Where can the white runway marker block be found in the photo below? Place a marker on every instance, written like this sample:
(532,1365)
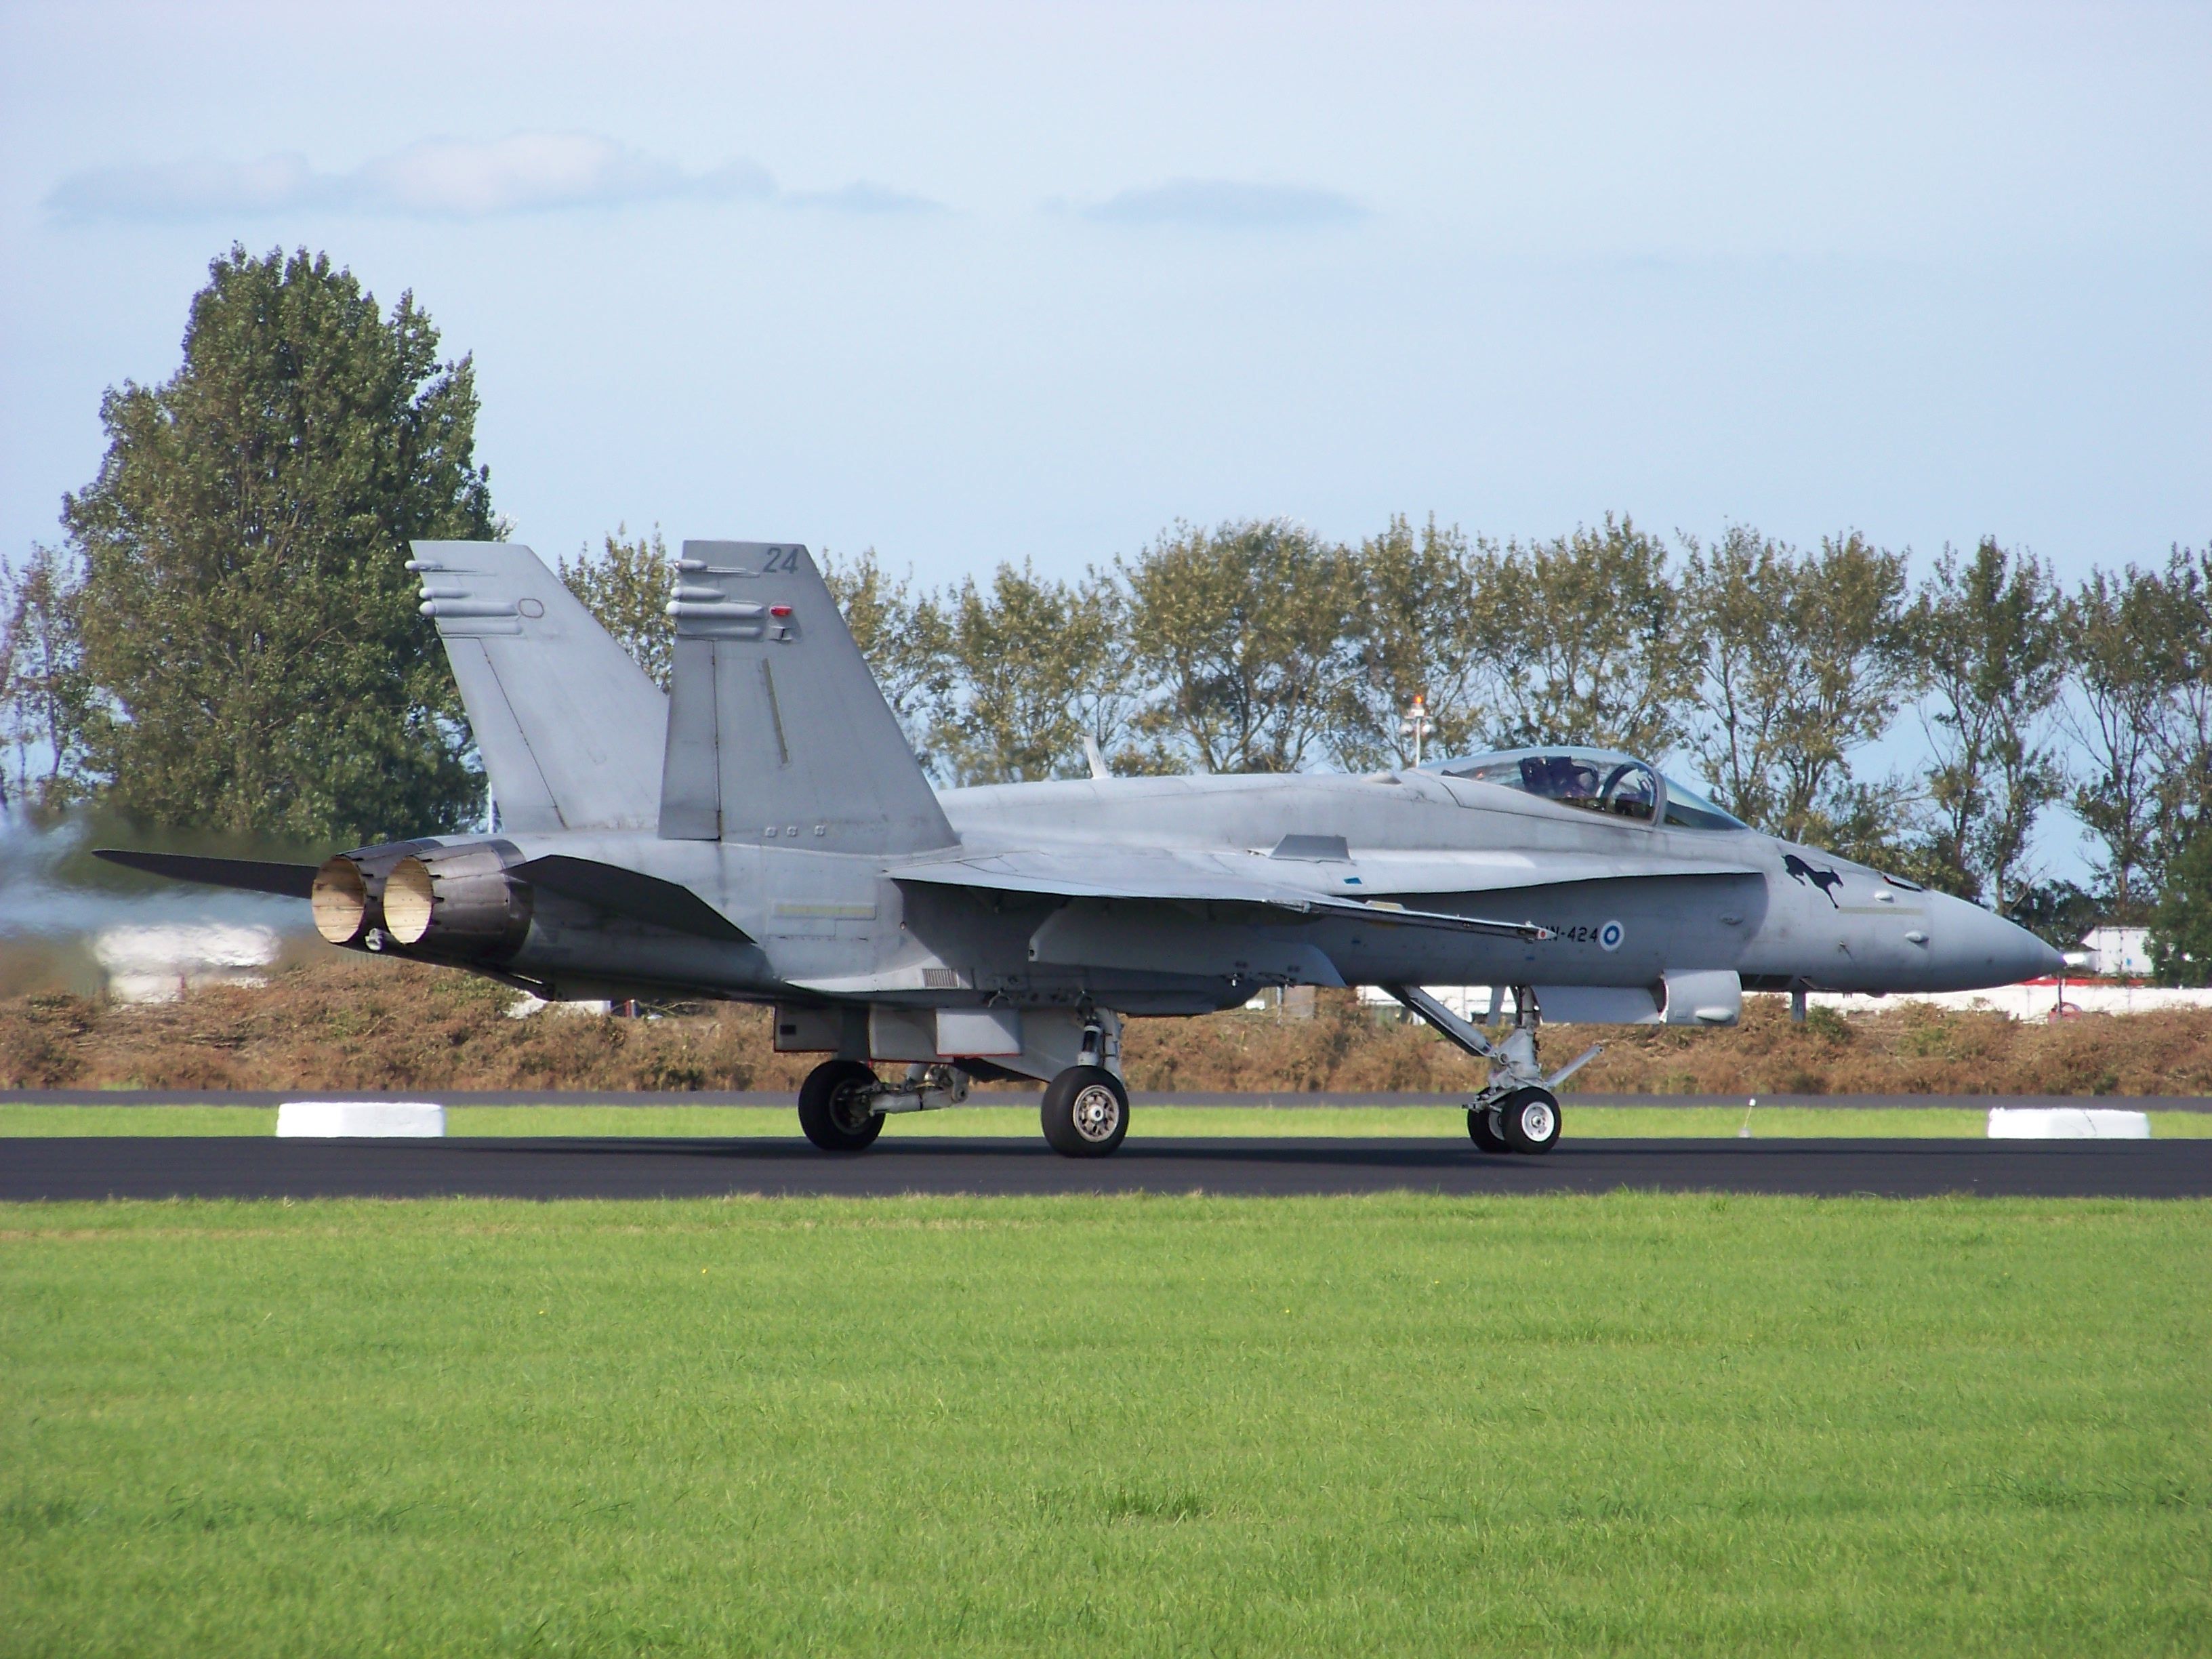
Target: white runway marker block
(326,1119)
(2067,1123)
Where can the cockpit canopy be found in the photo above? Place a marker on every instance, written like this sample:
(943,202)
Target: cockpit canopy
(1595,780)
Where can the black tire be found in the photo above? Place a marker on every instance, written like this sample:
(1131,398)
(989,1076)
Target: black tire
(1086,1112)
(829,1110)
(1530,1119)
(1482,1129)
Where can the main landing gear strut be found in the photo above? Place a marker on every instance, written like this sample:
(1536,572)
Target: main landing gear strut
(842,1104)
(1518,1109)
(1085,1113)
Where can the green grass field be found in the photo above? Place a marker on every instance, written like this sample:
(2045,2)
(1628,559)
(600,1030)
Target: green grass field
(1628,1423)
(1580,1122)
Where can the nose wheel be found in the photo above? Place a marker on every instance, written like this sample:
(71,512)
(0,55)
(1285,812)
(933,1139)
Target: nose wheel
(1524,1120)
(1482,1129)
(1529,1119)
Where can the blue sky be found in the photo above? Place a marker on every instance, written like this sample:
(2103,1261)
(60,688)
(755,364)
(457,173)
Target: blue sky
(970,284)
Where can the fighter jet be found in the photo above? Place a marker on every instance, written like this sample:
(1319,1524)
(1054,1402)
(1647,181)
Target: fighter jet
(764,833)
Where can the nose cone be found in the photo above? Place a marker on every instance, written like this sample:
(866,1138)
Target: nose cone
(1969,949)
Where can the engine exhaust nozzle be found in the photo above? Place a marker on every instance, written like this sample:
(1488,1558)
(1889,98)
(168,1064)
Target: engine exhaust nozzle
(457,902)
(347,895)
(344,911)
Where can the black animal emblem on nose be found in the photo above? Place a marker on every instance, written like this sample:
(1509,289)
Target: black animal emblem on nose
(1826,880)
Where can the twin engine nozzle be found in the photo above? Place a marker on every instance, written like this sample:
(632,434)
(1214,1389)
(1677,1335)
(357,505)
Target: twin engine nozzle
(451,901)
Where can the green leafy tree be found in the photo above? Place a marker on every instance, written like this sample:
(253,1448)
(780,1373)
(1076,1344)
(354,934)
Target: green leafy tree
(1419,630)
(1882,823)
(627,587)
(1037,664)
(1595,648)
(1244,634)
(1987,633)
(2181,644)
(903,635)
(2059,912)
(2121,634)
(250,641)
(42,691)
(2180,938)
(1801,660)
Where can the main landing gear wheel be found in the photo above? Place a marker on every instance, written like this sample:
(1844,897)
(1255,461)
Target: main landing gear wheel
(1529,1118)
(833,1106)
(1086,1112)
(1482,1129)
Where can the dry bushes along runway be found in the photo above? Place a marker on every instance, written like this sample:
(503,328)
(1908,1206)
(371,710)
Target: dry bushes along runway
(337,1022)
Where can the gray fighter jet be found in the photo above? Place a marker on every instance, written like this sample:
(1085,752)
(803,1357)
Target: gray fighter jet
(764,833)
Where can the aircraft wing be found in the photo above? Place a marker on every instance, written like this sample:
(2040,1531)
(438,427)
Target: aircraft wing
(1186,878)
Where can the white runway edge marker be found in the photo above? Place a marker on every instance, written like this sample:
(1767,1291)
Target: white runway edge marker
(329,1119)
(2067,1123)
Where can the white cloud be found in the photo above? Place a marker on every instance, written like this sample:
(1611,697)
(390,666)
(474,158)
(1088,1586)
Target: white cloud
(188,190)
(530,171)
(1227,204)
(444,179)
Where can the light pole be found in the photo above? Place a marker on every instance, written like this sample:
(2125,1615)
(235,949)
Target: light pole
(1417,723)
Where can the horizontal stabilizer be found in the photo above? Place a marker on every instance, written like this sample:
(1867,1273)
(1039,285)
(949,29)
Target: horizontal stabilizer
(630,894)
(247,875)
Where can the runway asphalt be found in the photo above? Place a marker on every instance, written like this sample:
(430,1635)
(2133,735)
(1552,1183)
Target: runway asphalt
(265,1167)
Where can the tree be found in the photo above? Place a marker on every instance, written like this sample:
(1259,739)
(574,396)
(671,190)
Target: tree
(1592,647)
(904,636)
(2181,736)
(42,691)
(1986,632)
(2119,635)
(1037,665)
(2180,938)
(1418,631)
(1883,824)
(252,651)
(2059,913)
(1244,632)
(627,587)
(1801,661)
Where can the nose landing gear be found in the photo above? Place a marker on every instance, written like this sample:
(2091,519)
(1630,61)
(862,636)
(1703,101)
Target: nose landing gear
(1529,1118)
(1525,1121)
(1518,1109)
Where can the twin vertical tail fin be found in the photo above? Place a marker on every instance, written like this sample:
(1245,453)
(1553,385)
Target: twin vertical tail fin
(568,726)
(777,732)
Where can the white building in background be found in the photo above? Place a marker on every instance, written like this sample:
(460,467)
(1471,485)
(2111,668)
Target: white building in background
(2114,953)
(160,963)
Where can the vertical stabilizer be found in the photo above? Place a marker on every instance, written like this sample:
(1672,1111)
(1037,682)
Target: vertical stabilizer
(569,726)
(776,729)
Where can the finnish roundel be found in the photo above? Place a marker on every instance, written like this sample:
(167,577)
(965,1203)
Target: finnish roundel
(1609,936)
